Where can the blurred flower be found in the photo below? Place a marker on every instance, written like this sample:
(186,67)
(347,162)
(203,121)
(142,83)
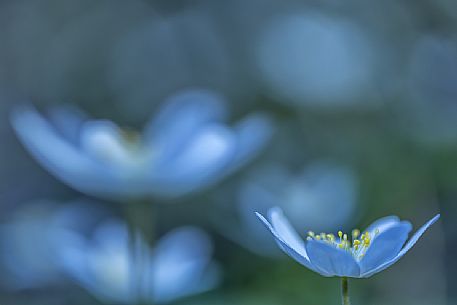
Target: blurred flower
(30,238)
(188,146)
(109,267)
(380,246)
(433,95)
(308,58)
(321,189)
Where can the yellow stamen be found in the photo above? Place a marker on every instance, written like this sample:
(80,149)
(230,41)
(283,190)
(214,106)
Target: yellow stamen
(355,233)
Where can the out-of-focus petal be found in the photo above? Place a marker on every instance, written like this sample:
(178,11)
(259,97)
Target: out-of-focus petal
(385,245)
(330,260)
(182,265)
(198,163)
(253,134)
(103,264)
(313,59)
(56,154)
(403,251)
(180,118)
(67,121)
(102,140)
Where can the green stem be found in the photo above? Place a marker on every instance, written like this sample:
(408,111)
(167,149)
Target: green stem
(141,223)
(345,291)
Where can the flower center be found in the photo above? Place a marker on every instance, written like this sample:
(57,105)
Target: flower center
(357,244)
(119,147)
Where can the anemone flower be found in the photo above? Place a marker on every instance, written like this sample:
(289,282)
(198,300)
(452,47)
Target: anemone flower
(108,267)
(358,255)
(186,147)
(30,239)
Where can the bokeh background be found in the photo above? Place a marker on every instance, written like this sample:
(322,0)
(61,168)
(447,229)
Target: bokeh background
(363,100)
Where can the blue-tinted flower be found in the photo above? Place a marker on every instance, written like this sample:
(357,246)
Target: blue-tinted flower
(320,189)
(30,239)
(360,255)
(114,270)
(186,147)
(309,58)
(429,113)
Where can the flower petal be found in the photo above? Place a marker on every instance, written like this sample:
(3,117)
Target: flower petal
(183,115)
(252,134)
(331,260)
(102,140)
(58,155)
(402,252)
(296,250)
(68,121)
(285,230)
(382,224)
(385,245)
(182,265)
(198,163)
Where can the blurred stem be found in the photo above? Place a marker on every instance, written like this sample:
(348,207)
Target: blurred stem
(141,219)
(345,291)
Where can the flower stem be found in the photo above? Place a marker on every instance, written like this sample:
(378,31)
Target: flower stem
(345,291)
(140,218)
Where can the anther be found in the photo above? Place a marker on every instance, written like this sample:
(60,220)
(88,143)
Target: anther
(355,233)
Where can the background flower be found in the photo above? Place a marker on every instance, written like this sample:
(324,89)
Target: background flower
(109,267)
(186,147)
